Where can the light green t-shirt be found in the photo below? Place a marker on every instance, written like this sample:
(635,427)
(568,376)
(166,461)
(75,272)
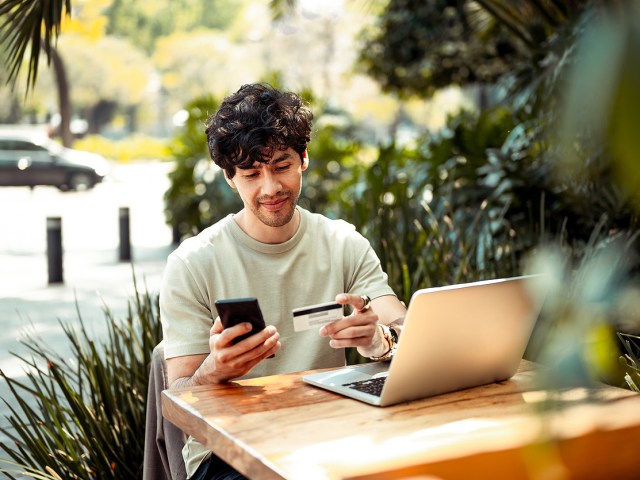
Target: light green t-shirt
(324,258)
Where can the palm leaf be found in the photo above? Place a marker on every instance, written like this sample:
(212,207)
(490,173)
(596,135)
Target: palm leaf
(280,8)
(29,24)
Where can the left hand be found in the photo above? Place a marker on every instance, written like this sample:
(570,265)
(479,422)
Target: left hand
(360,329)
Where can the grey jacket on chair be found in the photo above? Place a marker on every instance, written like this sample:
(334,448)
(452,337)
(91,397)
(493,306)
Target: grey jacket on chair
(163,441)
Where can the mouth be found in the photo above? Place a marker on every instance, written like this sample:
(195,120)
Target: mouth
(274,205)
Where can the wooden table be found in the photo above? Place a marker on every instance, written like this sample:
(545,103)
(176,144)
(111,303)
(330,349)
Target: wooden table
(278,427)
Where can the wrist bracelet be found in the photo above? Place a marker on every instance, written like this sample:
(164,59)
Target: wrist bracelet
(391,340)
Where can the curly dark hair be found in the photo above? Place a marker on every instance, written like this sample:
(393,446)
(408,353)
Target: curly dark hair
(254,122)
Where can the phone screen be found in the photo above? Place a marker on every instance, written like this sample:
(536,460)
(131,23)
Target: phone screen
(233,311)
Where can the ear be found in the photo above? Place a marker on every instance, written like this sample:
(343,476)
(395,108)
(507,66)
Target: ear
(229,180)
(305,160)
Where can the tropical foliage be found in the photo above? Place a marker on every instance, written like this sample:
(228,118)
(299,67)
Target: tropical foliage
(420,46)
(631,360)
(39,27)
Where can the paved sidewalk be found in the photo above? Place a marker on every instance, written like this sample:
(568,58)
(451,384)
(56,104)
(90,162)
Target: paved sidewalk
(92,279)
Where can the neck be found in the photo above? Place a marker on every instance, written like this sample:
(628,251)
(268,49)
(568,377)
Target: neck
(265,233)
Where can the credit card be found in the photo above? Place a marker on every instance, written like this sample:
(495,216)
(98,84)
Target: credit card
(314,316)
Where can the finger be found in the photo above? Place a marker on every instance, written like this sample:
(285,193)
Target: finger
(252,350)
(355,331)
(245,349)
(350,342)
(268,333)
(350,299)
(217,326)
(359,302)
(231,333)
(361,319)
(247,363)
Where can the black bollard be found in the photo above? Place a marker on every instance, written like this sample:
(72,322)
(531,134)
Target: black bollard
(125,240)
(175,235)
(54,249)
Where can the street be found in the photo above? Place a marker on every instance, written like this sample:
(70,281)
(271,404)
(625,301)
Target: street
(93,274)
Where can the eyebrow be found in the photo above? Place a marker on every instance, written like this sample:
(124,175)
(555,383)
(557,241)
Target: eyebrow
(282,158)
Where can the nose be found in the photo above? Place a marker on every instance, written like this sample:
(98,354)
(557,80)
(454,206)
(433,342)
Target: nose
(270,185)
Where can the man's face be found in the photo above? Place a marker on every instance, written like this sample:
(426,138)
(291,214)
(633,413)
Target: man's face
(270,190)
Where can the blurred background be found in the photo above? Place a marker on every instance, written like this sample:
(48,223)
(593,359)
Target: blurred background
(466,140)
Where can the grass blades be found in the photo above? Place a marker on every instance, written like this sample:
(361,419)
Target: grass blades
(631,360)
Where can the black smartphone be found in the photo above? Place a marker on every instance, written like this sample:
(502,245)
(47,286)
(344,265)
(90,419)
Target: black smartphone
(233,311)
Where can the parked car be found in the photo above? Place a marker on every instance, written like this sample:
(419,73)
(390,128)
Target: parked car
(32,161)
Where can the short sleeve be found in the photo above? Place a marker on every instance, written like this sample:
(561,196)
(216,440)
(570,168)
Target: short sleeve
(184,311)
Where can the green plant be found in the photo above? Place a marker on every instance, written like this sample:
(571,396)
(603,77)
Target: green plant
(333,150)
(198,195)
(631,360)
(442,212)
(131,148)
(82,418)
(587,299)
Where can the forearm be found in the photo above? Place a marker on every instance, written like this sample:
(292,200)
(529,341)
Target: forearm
(183,382)
(194,380)
(190,371)
(390,311)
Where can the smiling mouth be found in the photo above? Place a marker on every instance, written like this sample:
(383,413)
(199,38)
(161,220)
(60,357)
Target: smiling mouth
(274,204)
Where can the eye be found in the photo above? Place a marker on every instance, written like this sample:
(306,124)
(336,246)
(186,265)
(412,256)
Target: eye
(282,168)
(250,175)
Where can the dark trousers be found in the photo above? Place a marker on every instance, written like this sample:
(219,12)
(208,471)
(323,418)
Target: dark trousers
(213,468)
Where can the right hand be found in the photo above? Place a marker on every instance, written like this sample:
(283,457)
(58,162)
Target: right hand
(227,360)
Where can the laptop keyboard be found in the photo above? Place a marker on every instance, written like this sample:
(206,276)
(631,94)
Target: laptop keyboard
(372,386)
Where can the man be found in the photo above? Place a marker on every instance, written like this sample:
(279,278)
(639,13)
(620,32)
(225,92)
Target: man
(275,251)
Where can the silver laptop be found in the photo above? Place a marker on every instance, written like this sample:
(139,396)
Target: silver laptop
(454,337)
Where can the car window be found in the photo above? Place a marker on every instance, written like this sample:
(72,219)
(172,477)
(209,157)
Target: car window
(8,144)
(22,145)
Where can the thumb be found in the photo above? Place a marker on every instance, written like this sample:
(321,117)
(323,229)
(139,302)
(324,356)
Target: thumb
(217,327)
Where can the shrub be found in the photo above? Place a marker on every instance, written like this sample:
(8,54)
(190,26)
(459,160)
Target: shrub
(587,301)
(198,195)
(82,418)
(631,360)
(131,148)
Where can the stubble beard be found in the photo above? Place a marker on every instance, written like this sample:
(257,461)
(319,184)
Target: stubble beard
(279,218)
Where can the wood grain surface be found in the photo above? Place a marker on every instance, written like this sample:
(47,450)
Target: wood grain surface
(279,427)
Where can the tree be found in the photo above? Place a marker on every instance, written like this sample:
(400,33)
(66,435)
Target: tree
(419,46)
(30,25)
(109,75)
(35,26)
(190,64)
(145,21)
